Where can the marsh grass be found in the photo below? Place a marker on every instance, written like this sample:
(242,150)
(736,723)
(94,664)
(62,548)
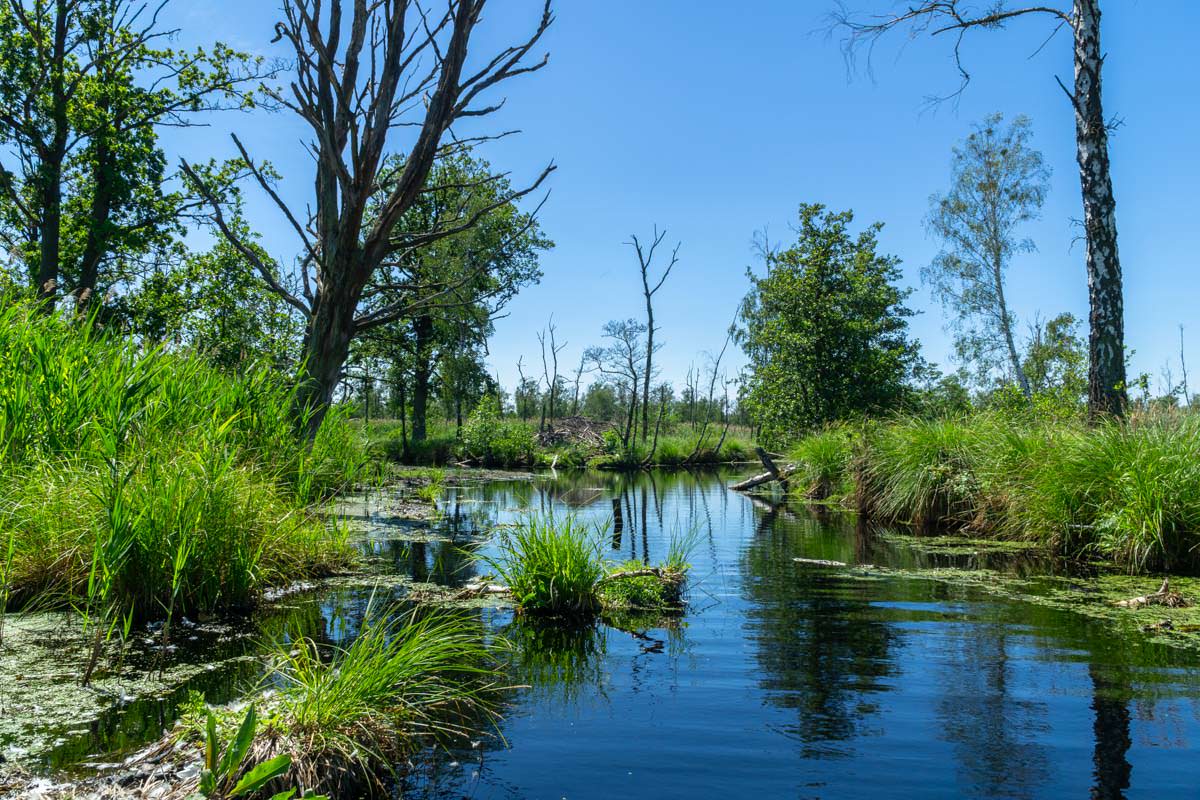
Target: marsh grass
(551,566)
(402,683)
(137,483)
(823,462)
(1127,491)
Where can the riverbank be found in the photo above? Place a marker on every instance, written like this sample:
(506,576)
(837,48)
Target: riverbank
(1123,492)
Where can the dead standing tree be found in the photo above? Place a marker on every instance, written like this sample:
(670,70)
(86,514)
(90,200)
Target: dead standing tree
(1106,342)
(550,369)
(645,257)
(390,65)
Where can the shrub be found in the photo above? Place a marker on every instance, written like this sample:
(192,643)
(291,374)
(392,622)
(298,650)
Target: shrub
(496,442)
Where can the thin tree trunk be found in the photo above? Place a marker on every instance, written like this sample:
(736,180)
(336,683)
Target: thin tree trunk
(1006,326)
(1106,342)
(649,364)
(51,168)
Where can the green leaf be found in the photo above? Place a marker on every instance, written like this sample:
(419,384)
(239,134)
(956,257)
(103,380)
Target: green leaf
(265,772)
(211,748)
(288,795)
(241,744)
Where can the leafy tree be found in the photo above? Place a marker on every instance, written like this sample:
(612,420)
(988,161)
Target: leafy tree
(452,288)
(999,182)
(84,86)
(826,329)
(1056,357)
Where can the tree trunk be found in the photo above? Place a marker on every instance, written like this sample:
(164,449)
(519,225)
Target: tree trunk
(50,235)
(1106,341)
(1006,326)
(326,346)
(422,370)
(649,364)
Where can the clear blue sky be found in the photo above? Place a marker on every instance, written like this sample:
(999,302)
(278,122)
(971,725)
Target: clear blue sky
(714,123)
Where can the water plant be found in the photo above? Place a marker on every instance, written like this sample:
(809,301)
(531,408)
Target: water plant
(551,565)
(403,681)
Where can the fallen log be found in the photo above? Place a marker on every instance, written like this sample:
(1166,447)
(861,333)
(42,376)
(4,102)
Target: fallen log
(819,562)
(757,480)
(773,473)
(1163,597)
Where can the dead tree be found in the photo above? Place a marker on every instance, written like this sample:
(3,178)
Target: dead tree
(1106,341)
(550,368)
(578,379)
(361,76)
(645,256)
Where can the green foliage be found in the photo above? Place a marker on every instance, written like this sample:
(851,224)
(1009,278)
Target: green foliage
(400,682)
(823,461)
(493,441)
(551,566)
(1125,491)
(825,329)
(140,481)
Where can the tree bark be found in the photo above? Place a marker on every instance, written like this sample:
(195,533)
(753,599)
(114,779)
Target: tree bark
(422,371)
(326,346)
(1006,327)
(50,234)
(1106,341)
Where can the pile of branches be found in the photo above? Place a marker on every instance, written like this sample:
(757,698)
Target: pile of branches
(574,430)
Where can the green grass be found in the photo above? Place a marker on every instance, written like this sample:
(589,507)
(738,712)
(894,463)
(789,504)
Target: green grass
(823,463)
(137,483)
(551,566)
(1128,491)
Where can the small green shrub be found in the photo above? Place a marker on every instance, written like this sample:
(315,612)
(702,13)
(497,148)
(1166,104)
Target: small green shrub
(496,442)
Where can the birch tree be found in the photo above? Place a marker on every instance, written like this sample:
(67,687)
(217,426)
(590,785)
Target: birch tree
(954,19)
(999,182)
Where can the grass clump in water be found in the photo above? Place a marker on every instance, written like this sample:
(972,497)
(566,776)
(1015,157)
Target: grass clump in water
(551,566)
(401,684)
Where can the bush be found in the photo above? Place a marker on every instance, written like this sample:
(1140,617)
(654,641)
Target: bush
(496,442)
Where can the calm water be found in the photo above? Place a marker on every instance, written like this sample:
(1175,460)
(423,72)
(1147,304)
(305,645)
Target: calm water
(781,680)
(784,680)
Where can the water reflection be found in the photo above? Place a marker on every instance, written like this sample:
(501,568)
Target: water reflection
(783,679)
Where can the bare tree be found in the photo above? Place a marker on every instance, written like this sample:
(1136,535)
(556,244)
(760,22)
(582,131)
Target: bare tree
(645,256)
(391,65)
(550,368)
(578,379)
(714,375)
(1106,341)
(999,183)
(622,361)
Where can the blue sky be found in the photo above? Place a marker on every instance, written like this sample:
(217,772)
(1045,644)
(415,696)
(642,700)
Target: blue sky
(714,123)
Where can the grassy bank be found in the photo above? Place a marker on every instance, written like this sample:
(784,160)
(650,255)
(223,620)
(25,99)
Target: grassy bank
(490,440)
(137,483)
(1128,492)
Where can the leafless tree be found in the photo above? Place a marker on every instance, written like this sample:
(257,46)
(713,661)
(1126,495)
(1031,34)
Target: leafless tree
(1106,342)
(361,76)
(1187,394)
(645,256)
(550,367)
(578,380)
(714,375)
